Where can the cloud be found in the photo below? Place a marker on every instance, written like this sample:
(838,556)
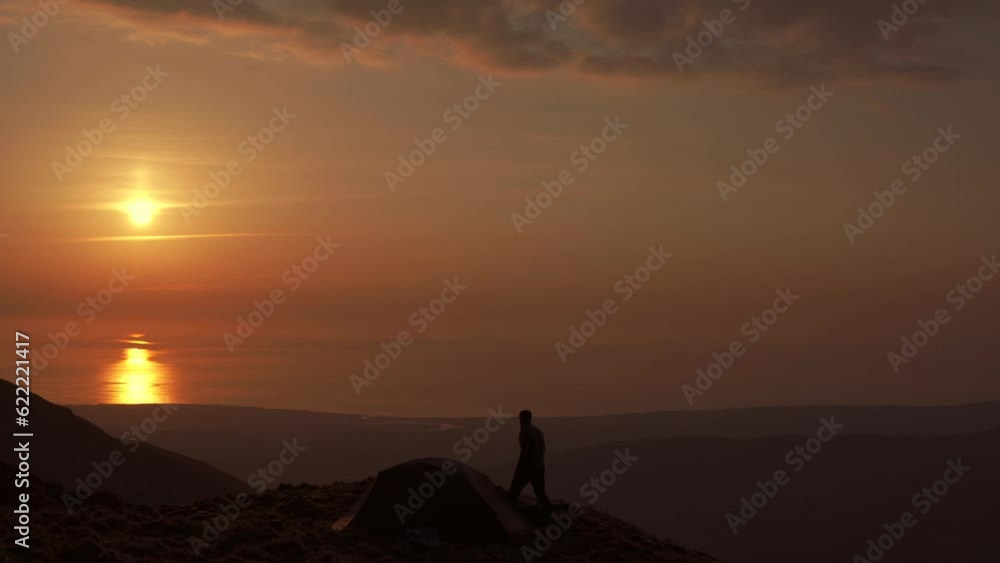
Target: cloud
(769,41)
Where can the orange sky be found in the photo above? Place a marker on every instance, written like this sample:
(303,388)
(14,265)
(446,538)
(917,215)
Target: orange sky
(324,175)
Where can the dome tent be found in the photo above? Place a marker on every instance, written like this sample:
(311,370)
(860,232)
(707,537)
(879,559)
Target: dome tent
(444,495)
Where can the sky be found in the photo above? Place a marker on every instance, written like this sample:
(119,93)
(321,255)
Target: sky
(182,163)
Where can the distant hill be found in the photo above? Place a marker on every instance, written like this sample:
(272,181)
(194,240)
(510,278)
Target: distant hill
(352,447)
(827,512)
(65,448)
(694,468)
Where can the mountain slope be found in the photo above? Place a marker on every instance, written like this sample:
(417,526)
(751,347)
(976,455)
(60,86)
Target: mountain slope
(66,448)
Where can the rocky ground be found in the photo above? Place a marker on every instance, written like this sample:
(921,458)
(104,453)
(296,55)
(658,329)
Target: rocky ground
(292,524)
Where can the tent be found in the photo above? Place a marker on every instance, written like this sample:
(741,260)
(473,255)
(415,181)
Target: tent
(444,495)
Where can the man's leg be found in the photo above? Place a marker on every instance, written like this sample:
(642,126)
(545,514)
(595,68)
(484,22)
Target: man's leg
(538,485)
(517,484)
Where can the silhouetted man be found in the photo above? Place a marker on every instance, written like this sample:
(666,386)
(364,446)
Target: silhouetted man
(531,464)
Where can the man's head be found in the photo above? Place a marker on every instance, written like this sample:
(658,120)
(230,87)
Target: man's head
(525,417)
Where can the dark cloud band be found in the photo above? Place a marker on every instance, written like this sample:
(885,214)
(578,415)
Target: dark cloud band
(772,41)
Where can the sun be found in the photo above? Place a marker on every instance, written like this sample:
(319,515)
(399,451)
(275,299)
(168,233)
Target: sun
(140,211)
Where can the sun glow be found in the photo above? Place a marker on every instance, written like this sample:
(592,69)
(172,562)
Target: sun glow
(140,211)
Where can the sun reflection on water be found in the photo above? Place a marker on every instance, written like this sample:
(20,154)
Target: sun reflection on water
(138,379)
